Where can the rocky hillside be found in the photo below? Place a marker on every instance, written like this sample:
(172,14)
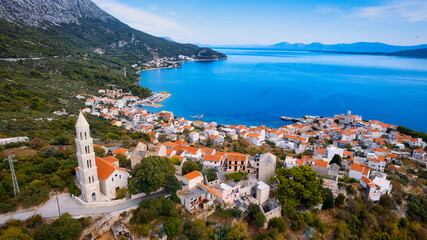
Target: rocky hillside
(42,13)
(36,28)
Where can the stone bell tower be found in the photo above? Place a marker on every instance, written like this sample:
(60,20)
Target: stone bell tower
(87,174)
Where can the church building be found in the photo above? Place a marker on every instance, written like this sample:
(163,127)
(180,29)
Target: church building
(98,178)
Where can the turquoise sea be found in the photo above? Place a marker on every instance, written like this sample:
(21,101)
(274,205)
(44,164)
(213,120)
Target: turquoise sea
(256,87)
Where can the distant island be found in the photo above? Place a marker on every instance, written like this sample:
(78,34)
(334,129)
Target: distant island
(370,48)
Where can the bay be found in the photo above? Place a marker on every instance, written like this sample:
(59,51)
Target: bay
(257,86)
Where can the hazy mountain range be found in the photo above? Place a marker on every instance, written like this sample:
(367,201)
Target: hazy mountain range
(358,47)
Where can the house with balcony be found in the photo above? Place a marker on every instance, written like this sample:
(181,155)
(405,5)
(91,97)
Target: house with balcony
(197,199)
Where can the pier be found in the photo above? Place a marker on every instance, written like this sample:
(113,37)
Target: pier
(291,119)
(153,100)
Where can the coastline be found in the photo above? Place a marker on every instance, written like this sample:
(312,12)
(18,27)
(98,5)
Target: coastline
(183,61)
(245,114)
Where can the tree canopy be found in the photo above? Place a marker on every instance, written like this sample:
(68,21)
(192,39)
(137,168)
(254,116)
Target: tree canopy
(197,230)
(255,215)
(173,227)
(238,231)
(190,166)
(336,159)
(328,199)
(14,233)
(172,184)
(298,187)
(64,228)
(278,223)
(150,174)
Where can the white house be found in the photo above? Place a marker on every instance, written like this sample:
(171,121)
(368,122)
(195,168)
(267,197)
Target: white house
(198,199)
(5,141)
(213,161)
(377,163)
(111,177)
(419,154)
(331,151)
(348,136)
(199,124)
(193,137)
(190,180)
(358,170)
(255,139)
(290,162)
(375,188)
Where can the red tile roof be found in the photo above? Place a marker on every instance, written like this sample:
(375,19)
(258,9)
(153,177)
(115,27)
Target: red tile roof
(207,188)
(364,169)
(120,151)
(106,168)
(322,164)
(192,175)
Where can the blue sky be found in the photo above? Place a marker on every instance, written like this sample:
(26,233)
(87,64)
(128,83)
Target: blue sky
(399,22)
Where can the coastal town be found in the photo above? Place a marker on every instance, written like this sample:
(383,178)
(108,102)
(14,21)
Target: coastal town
(343,150)
(342,146)
(271,120)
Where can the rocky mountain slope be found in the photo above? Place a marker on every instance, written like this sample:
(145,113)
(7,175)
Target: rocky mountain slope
(35,28)
(42,13)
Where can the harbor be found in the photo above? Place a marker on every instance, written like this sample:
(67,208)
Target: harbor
(153,100)
(292,119)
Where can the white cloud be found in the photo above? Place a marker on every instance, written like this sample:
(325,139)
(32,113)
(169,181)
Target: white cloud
(141,19)
(411,11)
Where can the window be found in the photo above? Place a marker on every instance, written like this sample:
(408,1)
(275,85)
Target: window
(93,179)
(89,180)
(85,136)
(120,176)
(112,179)
(81,138)
(88,149)
(88,166)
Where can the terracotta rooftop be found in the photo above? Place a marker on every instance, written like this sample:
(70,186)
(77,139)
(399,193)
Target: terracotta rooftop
(120,151)
(106,168)
(192,175)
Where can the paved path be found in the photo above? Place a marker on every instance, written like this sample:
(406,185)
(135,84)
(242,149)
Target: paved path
(67,204)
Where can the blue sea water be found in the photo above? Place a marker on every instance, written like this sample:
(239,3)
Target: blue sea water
(256,87)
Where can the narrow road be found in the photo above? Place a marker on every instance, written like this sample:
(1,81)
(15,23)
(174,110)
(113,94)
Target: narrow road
(64,203)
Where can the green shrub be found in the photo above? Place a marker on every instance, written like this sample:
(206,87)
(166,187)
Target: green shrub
(237,176)
(278,223)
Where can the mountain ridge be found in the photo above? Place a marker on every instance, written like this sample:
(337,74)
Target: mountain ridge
(56,12)
(361,47)
(35,28)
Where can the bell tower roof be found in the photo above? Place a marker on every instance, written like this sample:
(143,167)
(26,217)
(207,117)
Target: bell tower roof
(81,121)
